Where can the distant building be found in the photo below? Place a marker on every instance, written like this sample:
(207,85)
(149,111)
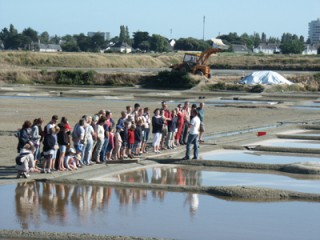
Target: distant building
(105,35)
(267,48)
(121,47)
(311,49)
(236,48)
(172,43)
(41,47)
(314,31)
(1,45)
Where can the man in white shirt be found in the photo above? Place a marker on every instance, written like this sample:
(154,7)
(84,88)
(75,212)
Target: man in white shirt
(194,126)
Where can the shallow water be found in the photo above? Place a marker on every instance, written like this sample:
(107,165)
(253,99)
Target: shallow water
(291,143)
(193,176)
(224,102)
(255,157)
(115,211)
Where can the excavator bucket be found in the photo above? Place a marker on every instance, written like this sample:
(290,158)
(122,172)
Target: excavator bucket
(217,43)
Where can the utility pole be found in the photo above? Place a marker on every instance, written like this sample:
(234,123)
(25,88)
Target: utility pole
(204,23)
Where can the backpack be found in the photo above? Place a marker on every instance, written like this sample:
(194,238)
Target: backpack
(19,158)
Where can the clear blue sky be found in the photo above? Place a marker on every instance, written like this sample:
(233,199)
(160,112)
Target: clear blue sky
(169,18)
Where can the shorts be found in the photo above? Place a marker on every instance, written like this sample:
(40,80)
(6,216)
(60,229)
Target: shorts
(201,127)
(124,145)
(78,147)
(62,148)
(137,145)
(131,146)
(109,148)
(48,155)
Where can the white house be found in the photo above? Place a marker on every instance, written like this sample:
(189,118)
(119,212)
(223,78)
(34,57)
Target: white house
(267,48)
(41,47)
(121,47)
(310,49)
(238,48)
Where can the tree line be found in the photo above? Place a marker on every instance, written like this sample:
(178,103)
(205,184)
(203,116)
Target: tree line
(141,41)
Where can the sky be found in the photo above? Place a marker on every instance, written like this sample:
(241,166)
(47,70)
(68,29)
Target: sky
(169,18)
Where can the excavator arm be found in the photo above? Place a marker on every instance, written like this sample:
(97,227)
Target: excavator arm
(202,60)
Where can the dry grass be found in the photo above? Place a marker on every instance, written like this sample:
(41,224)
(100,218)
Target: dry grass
(86,60)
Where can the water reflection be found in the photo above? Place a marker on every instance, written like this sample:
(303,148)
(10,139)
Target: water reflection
(131,212)
(163,175)
(61,203)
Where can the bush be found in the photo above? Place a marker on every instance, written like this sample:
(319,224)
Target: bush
(317,77)
(223,86)
(170,80)
(75,77)
(257,89)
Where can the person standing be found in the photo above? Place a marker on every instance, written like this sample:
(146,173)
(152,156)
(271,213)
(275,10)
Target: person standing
(88,141)
(24,135)
(194,126)
(100,139)
(201,117)
(186,113)
(157,124)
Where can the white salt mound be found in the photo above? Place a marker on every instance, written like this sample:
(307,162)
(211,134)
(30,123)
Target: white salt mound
(265,77)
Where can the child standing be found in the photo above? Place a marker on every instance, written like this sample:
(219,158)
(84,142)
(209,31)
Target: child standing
(138,138)
(172,125)
(131,140)
(124,137)
(110,145)
(117,143)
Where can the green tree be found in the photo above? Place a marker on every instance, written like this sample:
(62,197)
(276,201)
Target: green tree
(83,42)
(124,34)
(55,40)
(159,43)
(69,44)
(97,42)
(44,37)
(248,40)
(139,38)
(294,46)
(263,38)
(301,39)
(11,38)
(29,36)
(191,44)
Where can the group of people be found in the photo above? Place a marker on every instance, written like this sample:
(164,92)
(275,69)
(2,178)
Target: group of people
(99,138)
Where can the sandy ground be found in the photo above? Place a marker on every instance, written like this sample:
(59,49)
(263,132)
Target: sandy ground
(241,117)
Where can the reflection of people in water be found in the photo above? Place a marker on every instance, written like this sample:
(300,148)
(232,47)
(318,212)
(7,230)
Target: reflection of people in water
(193,201)
(159,176)
(27,205)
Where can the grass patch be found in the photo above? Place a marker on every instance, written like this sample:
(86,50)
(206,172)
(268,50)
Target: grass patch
(170,80)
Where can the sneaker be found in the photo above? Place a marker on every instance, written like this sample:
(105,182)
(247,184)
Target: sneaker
(185,158)
(18,175)
(194,158)
(25,175)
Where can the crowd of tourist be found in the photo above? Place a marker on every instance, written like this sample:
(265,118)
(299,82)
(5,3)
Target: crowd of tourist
(100,138)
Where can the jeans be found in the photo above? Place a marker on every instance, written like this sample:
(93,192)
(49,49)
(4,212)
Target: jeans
(104,150)
(86,153)
(184,134)
(97,150)
(192,139)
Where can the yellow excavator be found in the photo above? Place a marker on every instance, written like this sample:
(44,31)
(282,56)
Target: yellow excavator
(196,63)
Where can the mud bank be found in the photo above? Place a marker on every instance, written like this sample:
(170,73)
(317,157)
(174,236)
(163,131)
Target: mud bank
(17,235)
(241,193)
